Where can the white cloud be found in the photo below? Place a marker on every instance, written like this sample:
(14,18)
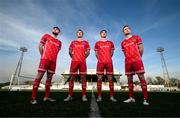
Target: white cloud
(160,22)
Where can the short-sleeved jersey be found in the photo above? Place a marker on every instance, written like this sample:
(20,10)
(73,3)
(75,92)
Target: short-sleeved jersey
(130,48)
(79,49)
(51,47)
(104,49)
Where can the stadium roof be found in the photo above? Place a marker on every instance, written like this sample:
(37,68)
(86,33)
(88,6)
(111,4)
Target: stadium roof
(91,75)
(91,72)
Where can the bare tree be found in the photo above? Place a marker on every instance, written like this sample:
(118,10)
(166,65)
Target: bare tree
(173,82)
(160,80)
(149,80)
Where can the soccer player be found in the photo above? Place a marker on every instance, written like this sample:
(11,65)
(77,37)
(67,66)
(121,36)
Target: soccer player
(133,50)
(49,47)
(104,50)
(79,50)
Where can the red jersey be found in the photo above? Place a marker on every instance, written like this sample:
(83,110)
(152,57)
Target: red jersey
(51,47)
(79,49)
(130,48)
(104,49)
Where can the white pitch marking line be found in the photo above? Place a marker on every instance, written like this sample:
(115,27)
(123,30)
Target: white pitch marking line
(94,109)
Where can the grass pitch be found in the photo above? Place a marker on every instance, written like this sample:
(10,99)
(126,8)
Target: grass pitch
(17,104)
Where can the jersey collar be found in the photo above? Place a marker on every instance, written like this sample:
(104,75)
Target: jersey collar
(103,39)
(78,39)
(129,37)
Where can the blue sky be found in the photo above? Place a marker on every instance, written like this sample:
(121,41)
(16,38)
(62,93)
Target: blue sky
(23,22)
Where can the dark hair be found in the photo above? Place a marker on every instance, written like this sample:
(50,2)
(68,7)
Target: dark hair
(125,27)
(103,31)
(57,28)
(79,30)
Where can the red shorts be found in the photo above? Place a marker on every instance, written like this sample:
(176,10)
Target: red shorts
(136,67)
(47,65)
(104,66)
(77,65)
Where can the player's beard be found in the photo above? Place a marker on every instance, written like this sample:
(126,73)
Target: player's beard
(103,36)
(55,33)
(80,36)
(128,33)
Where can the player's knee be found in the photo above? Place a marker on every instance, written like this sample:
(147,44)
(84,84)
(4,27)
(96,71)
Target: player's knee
(141,76)
(71,78)
(110,77)
(40,75)
(49,75)
(99,77)
(71,82)
(99,80)
(83,77)
(130,77)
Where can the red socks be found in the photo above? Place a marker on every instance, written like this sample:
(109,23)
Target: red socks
(35,88)
(111,87)
(99,87)
(83,87)
(144,88)
(47,87)
(71,86)
(131,87)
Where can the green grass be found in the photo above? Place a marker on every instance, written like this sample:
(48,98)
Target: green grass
(161,104)
(17,104)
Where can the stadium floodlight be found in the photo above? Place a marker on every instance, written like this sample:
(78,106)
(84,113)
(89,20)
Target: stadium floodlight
(18,68)
(164,67)
(160,49)
(23,49)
